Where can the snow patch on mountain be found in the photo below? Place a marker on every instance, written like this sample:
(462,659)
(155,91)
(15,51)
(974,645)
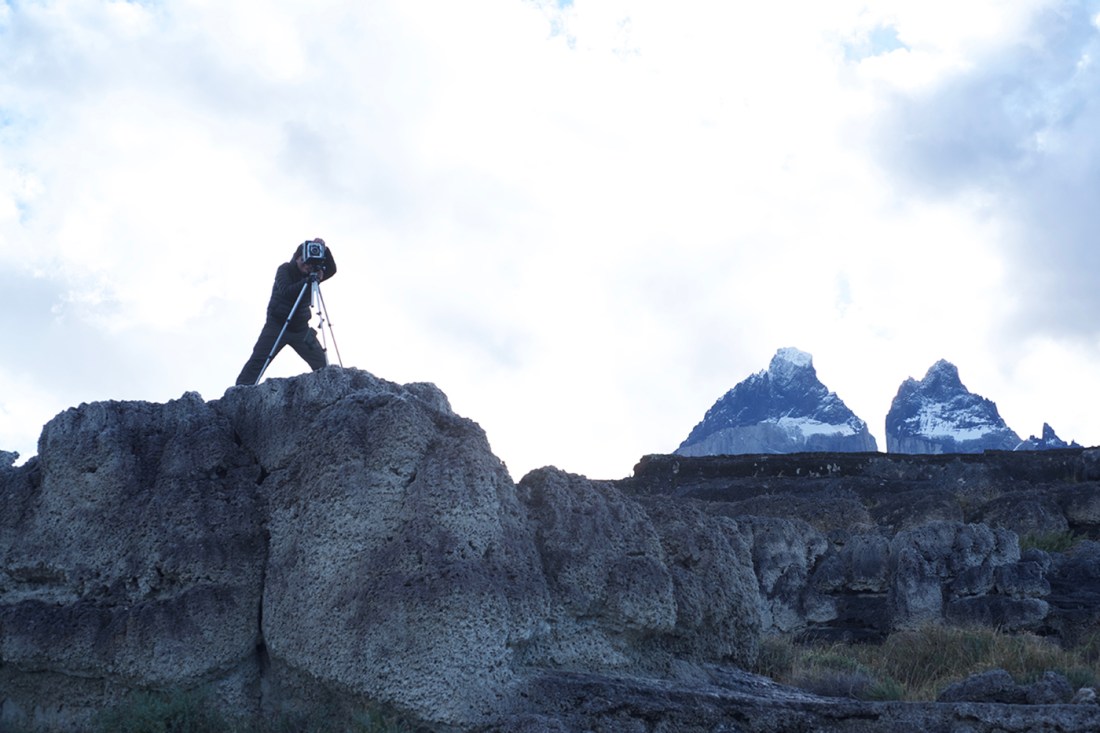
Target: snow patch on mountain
(940,415)
(784,409)
(808,426)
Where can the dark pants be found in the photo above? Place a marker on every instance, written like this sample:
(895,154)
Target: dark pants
(303,341)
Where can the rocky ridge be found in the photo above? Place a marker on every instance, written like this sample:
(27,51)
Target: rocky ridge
(338,539)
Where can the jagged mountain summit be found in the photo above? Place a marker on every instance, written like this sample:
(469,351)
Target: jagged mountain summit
(1048,441)
(785,409)
(940,415)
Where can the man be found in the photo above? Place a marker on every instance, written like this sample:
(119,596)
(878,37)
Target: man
(290,278)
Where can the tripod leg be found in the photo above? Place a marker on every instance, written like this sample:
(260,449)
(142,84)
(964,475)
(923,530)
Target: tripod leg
(324,318)
(315,299)
(279,338)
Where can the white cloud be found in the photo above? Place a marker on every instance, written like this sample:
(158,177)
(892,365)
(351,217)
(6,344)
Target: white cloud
(584,223)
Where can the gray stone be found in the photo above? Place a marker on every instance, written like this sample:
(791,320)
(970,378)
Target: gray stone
(605,568)
(1085,696)
(973,581)
(1026,514)
(7,459)
(1081,505)
(1022,580)
(996,685)
(827,514)
(132,552)
(784,554)
(395,536)
(719,611)
(1050,689)
(925,560)
(1000,612)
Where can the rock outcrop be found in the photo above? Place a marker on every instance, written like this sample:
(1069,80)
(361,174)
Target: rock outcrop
(340,540)
(873,543)
(785,409)
(337,535)
(939,414)
(268,544)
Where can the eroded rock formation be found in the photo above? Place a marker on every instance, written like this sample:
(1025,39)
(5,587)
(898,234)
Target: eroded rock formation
(339,539)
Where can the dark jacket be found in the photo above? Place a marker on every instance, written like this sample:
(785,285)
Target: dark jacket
(289,281)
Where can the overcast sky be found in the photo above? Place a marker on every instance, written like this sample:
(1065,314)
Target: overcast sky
(584,221)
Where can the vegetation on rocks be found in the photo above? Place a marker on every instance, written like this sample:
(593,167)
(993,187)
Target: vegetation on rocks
(1055,541)
(917,665)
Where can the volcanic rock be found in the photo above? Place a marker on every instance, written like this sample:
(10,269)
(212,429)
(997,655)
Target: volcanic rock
(340,541)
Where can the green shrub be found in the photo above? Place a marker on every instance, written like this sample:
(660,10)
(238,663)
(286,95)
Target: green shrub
(1056,541)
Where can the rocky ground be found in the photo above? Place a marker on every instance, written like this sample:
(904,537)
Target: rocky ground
(338,539)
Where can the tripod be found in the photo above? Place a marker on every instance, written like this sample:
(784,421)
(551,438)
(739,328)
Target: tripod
(313,285)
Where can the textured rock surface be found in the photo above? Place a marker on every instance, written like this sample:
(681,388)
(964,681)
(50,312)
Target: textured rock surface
(328,531)
(335,532)
(719,699)
(338,539)
(903,540)
(132,549)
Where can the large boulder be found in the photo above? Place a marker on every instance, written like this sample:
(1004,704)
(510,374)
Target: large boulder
(329,532)
(395,537)
(965,573)
(132,554)
(640,587)
(784,553)
(605,568)
(335,539)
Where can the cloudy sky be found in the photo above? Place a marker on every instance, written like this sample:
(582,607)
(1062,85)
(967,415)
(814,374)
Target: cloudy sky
(584,221)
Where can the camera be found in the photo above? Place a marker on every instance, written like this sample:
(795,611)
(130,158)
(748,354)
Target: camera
(313,252)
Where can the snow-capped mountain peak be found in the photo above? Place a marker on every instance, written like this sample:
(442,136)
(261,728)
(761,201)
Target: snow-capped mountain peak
(785,409)
(791,356)
(940,415)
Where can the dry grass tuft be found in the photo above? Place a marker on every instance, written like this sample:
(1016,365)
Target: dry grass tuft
(917,665)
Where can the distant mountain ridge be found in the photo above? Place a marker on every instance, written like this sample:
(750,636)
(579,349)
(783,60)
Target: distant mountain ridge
(786,409)
(1048,441)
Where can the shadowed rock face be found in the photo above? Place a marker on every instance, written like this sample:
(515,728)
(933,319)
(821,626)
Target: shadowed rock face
(892,541)
(334,528)
(342,540)
(336,534)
